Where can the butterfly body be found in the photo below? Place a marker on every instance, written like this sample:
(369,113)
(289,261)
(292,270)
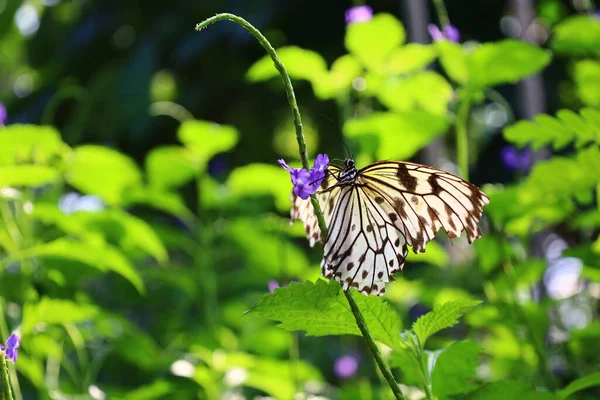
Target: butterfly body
(375,213)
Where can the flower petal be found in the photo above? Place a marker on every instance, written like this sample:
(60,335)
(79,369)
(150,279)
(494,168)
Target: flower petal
(435,32)
(451,33)
(12,354)
(321,162)
(13,341)
(281,162)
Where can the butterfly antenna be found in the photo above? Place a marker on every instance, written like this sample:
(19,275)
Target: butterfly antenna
(347,149)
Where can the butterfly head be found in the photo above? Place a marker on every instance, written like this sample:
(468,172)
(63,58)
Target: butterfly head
(348,174)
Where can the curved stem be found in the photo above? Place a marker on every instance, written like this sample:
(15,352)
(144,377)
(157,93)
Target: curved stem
(289,89)
(462,137)
(69,92)
(5,389)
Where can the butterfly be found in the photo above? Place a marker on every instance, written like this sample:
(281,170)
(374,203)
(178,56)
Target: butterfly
(374,213)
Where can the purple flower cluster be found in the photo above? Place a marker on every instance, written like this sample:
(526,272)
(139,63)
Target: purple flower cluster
(516,160)
(358,14)
(307,182)
(12,344)
(448,32)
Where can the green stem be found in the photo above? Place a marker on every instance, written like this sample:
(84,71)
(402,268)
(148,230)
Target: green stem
(442,13)
(462,137)
(5,389)
(289,89)
(69,92)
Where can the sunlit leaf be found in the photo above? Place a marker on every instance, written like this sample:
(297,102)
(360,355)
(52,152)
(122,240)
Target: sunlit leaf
(321,309)
(558,132)
(261,180)
(435,255)
(102,257)
(409,58)
(155,390)
(397,135)
(443,316)
(299,63)
(169,167)
(104,172)
(506,61)
(454,370)
(169,202)
(339,80)
(453,60)
(577,36)
(32,369)
(587,79)
(425,90)
(56,311)
(29,143)
(372,41)
(206,139)
(27,175)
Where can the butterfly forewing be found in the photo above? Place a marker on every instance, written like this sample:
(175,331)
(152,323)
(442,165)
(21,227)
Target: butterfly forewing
(388,206)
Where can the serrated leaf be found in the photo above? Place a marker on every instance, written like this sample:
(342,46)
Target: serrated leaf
(506,61)
(104,172)
(414,129)
(443,316)
(299,63)
(55,311)
(582,383)
(509,390)
(321,309)
(558,132)
(372,41)
(577,36)
(27,175)
(455,369)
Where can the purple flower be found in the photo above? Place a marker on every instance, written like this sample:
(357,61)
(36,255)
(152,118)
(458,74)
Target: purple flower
(346,366)
(516,160)
(358,14)
(12,344)
(3,114)
(597,13)
(273,284)
(449,32)
(305,182)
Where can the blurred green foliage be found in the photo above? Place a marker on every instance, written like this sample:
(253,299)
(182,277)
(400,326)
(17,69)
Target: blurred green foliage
(144,292)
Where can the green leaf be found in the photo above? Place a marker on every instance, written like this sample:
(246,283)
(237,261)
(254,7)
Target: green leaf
(506,61)
(414,129)
(29,143)
(372,41)
(587,79)
(454,60)
(169,167)
(27,175)
(454,369)
(260,180)
(102,257)
(509,390)
(582,383)
(55,311)
(339,80)
(155,390)
(169,202)
(206,139)
(321,309)
(577,36)
(409,58)
(273,254)
(436,255)
(299,63)
(104,172)
(559,132)
(425,90)
(443,316)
